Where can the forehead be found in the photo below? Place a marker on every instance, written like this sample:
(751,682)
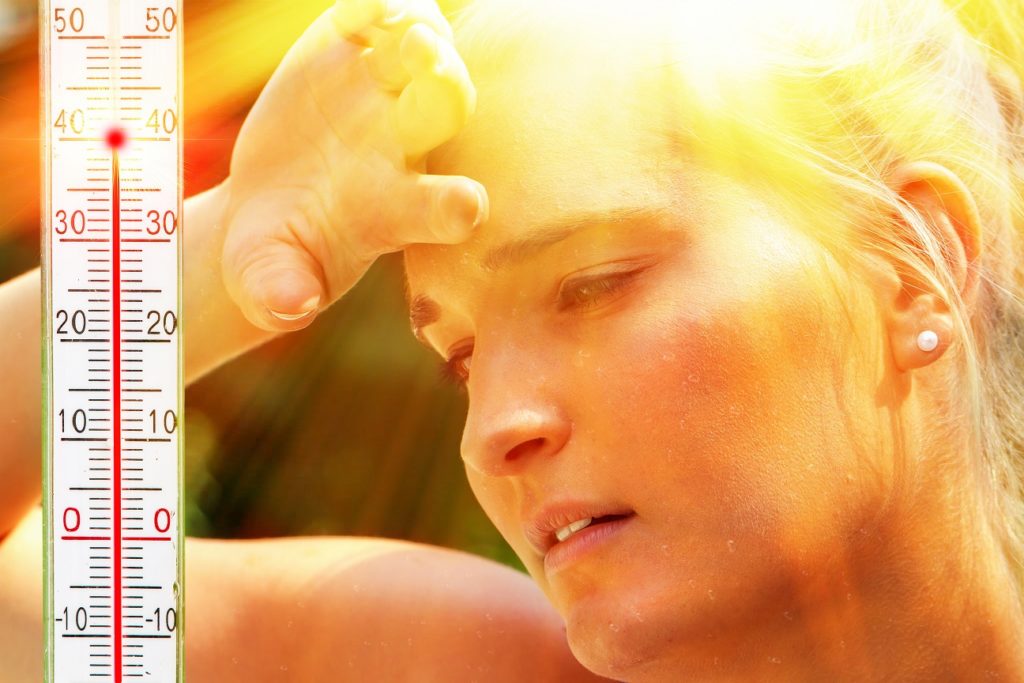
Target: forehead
(571,96)
(554,137)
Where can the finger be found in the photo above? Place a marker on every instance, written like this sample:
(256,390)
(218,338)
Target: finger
(435,209)
(274,280)
(419,51)
(401,14)
(440,98)
(352,17)
(384,61)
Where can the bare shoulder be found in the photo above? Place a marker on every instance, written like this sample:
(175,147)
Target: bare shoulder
(313,609)
(373,609)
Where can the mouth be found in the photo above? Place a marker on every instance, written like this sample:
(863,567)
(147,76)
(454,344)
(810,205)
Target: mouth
(569,530)
(578,539)
(561,523)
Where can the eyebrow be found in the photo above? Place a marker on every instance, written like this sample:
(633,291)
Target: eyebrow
(424,311)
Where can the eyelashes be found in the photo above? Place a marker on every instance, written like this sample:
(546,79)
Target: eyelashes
(451,371)
(586,292)
(575,295)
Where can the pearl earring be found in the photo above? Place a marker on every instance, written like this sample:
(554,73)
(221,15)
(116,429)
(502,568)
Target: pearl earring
(927,341)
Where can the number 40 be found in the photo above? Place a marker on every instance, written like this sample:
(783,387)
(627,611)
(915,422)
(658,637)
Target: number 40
(165,121)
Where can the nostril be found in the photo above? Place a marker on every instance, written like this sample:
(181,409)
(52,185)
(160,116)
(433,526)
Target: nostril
(524,448)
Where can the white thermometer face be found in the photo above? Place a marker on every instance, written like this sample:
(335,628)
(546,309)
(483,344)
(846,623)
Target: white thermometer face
(112,327)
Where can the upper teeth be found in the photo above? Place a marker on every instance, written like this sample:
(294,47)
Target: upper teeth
(567,531)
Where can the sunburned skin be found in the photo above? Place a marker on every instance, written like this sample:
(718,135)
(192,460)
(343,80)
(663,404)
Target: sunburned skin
(651,342)
(324,174)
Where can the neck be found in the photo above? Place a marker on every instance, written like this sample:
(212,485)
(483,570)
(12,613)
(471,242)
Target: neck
(925,601)
(924,596)
(927,616)
(922,592)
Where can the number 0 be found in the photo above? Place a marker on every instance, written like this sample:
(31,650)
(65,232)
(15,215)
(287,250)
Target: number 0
(72,527)
(162,520)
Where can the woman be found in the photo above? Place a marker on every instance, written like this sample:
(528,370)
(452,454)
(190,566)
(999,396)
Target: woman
(738,333)
(743,333)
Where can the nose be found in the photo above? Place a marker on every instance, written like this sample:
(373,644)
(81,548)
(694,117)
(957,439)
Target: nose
(514,421)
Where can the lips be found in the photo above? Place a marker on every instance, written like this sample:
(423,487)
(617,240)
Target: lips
(559,522)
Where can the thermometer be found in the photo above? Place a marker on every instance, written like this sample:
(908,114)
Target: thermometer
(112,352)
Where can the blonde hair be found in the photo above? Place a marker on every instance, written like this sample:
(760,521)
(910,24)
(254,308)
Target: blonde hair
(831,95)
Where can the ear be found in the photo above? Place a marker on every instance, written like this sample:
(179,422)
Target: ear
(913,306)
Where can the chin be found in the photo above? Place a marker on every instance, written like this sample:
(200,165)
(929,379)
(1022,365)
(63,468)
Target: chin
(654,631)
(618,640)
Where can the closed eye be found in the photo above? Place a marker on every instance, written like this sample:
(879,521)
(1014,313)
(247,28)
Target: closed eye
(577,294)
(455,370)
(586,292)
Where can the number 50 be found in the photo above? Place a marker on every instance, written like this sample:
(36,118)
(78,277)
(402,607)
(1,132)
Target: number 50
(156,21)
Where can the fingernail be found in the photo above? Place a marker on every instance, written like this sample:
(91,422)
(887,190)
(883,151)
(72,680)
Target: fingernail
(308,308)
(465,208)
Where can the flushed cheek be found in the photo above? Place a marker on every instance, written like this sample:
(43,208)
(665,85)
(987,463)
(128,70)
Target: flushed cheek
(722,419)
(675,396)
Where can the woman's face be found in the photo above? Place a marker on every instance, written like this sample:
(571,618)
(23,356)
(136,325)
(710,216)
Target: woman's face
(651,346)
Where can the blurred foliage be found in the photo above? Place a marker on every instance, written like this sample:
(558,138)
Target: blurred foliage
(343,428)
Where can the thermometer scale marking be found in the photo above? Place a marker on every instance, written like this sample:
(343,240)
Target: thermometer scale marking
(112,351)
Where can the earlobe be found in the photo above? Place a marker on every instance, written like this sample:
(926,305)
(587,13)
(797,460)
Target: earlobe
(920,334)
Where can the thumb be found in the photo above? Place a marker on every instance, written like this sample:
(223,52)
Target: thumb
(271,276)
(436,209)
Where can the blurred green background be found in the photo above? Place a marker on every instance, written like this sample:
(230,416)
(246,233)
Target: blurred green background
(344,428)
